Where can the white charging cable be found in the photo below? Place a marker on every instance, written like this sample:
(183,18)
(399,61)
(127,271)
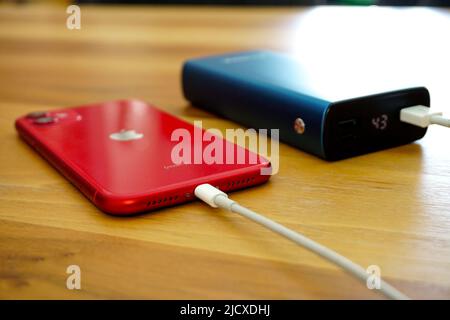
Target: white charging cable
(218,199)
(422,116)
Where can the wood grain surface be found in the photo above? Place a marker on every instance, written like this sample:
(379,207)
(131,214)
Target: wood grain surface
(390,208)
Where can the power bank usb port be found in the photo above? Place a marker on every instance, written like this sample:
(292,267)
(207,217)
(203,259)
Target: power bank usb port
(346,127)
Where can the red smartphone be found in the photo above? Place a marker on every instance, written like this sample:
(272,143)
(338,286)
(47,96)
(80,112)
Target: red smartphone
(120,155)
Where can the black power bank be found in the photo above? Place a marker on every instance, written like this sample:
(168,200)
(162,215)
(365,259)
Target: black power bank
(262,89)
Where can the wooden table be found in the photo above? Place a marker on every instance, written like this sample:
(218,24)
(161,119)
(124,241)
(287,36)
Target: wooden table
(390,208)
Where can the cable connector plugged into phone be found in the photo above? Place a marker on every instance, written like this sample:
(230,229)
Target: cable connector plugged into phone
(422,116)
(218,199)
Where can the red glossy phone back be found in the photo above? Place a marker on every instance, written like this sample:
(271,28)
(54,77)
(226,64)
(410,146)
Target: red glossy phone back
(123,177)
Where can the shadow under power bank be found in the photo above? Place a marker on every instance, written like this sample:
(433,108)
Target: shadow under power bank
(333,116)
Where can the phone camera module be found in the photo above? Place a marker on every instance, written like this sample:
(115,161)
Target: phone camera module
(44,120)
(36,114)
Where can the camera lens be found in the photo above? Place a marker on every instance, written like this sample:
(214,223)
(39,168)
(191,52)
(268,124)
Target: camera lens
(44,120)
(36,114)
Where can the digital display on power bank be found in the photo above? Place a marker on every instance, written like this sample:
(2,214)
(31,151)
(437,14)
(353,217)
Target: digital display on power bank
(380,122)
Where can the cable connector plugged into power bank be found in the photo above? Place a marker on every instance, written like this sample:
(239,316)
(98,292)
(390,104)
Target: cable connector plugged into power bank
(422,116)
